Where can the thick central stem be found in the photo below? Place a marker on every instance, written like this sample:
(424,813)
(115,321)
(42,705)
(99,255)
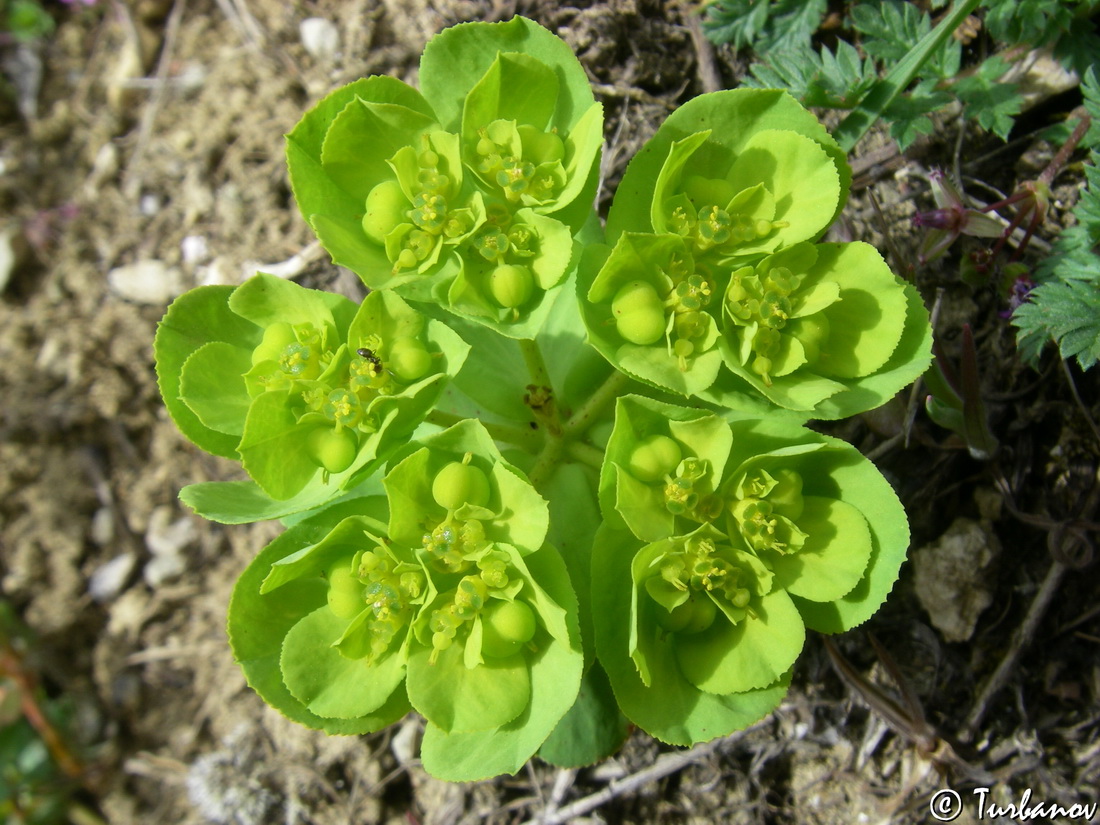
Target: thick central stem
(540,396)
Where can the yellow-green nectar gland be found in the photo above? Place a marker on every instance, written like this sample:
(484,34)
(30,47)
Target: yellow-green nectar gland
(713,227)
(389,595)
(305,357)
(687,493)
(431,216)
(690,296)
(451,623)
(762,306)
(453,544)
(699,570)
(764,508)
(536,172)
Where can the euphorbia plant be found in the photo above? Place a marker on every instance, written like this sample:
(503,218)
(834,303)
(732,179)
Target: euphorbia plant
(494,520)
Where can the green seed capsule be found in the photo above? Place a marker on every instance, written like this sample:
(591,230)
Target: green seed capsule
(693,616)
(277,338)
(639,313)
(506,627)
(334,450)
(387,207)
(408,359)
(345,593)
(458,484)
(654,458)
(511,285)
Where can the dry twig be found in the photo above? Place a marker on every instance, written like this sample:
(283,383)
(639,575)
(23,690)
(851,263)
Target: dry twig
(666,765)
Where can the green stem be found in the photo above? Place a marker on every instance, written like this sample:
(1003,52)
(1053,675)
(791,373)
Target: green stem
(541,397)
(870,109)
(529,440)
(591,410)
(532,355)
(584,453)
(546,463)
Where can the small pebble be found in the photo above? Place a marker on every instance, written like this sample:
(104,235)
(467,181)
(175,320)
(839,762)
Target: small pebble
(108,579)
(320,37)
(147,281)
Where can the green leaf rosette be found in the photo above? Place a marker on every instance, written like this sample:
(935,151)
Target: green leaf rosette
(520,88)
(736,173)
(472,209)
(659,698)
(826,329)
(382,185)
(320,621)
(823,330)
(496,659)
(738,534)
(311,391)
(713,288)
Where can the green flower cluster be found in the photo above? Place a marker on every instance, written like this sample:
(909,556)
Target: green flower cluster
(473,206)
(305,388)
(713,288)
(724,538)
(441,596)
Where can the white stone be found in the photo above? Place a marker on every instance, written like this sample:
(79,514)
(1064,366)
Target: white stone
(108,579)
(320,37)
(952,577)
(147,281)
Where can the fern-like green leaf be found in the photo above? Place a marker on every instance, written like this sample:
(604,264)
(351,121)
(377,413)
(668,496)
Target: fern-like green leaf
(764,25)
(989,101)
(1068,312)
(826,80)
(737,22)
(892,28)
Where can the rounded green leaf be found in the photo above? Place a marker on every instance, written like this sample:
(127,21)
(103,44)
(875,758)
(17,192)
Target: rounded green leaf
(212,386)
(455,60)
(669,707)
(258,623)
(835,555)
(733,119)
(844,474)
(752,654)
(555,677)
(328,683)
(460,699)
(866,322)
(194,319)
(909,360)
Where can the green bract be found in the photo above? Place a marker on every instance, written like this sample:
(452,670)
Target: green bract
(304,387)
(489,524)
(725,539)
(472,209)
(712,288)
(437,605)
